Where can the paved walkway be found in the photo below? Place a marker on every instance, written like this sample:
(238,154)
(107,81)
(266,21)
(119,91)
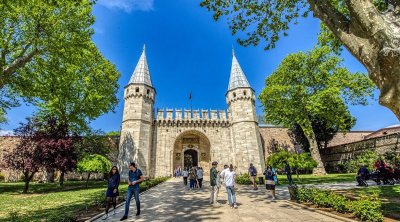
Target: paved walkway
(173,202)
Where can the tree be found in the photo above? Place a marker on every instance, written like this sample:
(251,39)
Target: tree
(302,161)
(27,157)
(369,29)
(93,164)
(313,84)
(113,133)
(323,133)
(47,55)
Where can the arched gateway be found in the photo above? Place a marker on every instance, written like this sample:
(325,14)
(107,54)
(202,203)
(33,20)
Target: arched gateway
(163,140)
(192,148)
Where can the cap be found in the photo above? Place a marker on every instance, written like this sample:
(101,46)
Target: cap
(215,163)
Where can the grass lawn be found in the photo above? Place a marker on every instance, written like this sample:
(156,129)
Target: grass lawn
(389,195)
(311,179)
(50,201)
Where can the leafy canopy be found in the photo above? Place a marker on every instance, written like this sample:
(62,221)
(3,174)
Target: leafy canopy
(313,84)
(47,56)
(302,161)
(94,163)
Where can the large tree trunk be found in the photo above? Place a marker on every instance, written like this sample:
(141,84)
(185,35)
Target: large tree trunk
(371,36)
(320,169)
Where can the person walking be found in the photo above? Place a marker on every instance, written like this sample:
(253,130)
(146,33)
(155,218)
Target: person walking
(275,177)
(253,175)
(185,175)
(192,178)
(229,180)
(269,180)
(200,177)
(288,173)
(135,176)
(226,168)
(213,183)
(112,190)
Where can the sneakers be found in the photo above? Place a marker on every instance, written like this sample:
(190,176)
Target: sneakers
(124,218)
(105,217)
(235,206)
(114,212)
(273,198)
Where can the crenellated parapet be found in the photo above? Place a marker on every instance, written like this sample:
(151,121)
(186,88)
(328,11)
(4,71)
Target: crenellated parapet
(240,94)
(181,116)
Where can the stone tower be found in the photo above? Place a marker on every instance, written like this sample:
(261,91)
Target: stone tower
(136,133)
(245,134)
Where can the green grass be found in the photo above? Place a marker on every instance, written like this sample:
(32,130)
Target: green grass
(46,201)
(311,179)
(389,195)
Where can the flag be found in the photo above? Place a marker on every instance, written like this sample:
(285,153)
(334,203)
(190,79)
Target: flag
(190,96)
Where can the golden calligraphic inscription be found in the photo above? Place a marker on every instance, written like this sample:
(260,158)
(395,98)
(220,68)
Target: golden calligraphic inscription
(203,156)
(190,140)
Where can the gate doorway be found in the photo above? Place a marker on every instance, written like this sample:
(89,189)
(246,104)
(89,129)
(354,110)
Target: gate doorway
(190,158)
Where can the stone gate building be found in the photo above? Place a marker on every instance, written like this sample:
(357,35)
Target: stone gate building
(163,140)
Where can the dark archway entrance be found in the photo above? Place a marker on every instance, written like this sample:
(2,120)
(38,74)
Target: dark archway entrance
(190,158)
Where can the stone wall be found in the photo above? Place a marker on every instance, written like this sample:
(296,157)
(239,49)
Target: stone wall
(10,142)
(332,156)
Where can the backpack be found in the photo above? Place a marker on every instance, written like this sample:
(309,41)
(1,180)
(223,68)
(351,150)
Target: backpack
(253,171)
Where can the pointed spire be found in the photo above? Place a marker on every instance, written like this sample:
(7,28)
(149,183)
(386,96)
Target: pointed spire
(237,78)
(141,74)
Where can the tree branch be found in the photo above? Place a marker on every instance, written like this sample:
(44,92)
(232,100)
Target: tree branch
(19,62)
(353,38)
(370,20)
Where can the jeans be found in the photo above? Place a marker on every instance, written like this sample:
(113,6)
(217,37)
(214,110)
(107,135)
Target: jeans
(192,183)
(132,192)
(185,181)
(231,194)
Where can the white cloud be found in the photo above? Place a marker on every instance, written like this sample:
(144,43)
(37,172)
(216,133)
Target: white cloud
(128,5)
(6,132)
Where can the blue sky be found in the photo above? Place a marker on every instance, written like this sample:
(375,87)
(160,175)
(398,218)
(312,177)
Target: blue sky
(188,51)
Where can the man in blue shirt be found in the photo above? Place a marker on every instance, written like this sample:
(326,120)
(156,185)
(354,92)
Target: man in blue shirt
(134,178)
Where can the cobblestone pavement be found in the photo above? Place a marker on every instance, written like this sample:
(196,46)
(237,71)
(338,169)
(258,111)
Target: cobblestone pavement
(171,201)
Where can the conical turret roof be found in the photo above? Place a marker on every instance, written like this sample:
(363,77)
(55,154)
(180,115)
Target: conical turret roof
(237,78)
(141,74)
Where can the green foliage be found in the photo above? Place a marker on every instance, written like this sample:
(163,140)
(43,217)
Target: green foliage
(302,161)
(244,179)
(94,164)
(366,158)
(393,156)
(367,208)
(113,133)
(49,58)
(277,160)
(2,177)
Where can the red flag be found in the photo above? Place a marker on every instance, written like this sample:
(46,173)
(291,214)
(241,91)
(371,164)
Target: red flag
(190,96)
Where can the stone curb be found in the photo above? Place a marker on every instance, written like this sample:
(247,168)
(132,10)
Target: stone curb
(123,203)
(321,211)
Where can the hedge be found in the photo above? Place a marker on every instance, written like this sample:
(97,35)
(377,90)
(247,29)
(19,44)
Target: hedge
(367,208)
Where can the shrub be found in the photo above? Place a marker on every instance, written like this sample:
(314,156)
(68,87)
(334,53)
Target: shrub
(244,179)
(367,208)
(2,179)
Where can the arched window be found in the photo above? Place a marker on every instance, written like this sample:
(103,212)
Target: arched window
(148,91)
(234,95)
(137,89)
(244,92)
